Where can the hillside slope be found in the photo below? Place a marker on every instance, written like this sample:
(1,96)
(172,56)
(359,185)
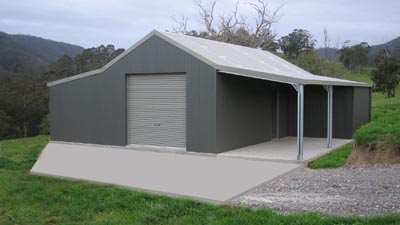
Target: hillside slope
(31,52)
(393,46)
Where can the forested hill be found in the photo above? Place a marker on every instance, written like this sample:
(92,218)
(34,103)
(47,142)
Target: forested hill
(393,46)
(30,52)
(23,92)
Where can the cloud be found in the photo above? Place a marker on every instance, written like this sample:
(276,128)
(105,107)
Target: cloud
(122,22)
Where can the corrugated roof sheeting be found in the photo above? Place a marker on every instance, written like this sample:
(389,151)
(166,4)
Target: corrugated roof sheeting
(234,59)
(251,62)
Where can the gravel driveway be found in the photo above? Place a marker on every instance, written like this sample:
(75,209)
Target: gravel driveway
(361,190)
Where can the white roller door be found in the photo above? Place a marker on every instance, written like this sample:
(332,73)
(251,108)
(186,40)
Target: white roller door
(156,107)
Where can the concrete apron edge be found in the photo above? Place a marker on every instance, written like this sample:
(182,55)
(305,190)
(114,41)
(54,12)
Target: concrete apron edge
(172,151)
(159,193)
(137,148)
(305,162)
(266,182)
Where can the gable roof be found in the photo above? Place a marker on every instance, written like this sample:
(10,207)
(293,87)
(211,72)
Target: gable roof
(231,59)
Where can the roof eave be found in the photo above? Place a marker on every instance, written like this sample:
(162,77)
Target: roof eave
(259,75)
(285,79)
(338,83)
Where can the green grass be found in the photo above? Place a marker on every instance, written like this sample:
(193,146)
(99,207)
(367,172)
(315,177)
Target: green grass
(334,159)
(28,199)
(382,131)
(378,98)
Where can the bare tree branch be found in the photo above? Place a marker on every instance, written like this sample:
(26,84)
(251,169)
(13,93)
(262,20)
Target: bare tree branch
(228,24)
(230,21)
(233,28)
(327,42)
(265,18)
(180,24)
(207,14)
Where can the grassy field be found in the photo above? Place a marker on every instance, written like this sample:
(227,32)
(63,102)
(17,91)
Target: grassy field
(383,130)
(28,199)
(378,98)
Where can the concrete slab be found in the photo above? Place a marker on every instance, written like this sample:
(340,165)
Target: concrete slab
(209,178)
(285,149)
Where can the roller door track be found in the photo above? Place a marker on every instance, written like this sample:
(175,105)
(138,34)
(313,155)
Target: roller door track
(156,106)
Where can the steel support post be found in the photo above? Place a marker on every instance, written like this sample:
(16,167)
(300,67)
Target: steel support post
(300,119)
(329,90)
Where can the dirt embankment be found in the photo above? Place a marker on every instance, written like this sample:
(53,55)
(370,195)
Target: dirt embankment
(360,156)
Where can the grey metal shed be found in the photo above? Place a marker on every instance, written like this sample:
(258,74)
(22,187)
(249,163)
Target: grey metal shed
(203,96)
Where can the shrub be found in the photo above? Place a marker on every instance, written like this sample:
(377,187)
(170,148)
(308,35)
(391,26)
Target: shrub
(311,62)
(45,125)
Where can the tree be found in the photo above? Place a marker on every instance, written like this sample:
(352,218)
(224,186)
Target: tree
(354,57)
(94,58)
(232,28)
(64,66)
(386,76)
(24,101)
(327,41)
(297,42)
(44,126)
(89,59)
(5,126)
(311,62)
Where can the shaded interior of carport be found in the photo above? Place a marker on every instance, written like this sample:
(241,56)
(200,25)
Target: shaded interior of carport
(252,111)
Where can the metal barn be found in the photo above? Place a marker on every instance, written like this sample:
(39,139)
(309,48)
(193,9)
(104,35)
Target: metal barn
(199,95)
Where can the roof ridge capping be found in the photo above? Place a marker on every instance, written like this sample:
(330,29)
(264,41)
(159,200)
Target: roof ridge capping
(198,48)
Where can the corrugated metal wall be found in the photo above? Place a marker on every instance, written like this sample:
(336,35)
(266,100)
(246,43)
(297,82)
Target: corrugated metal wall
(93,109)
(243,111)
(361,107)
(288,110)
(342,112)
(286,113)
(201,107)
(89,110)
(274,114)
(315,111)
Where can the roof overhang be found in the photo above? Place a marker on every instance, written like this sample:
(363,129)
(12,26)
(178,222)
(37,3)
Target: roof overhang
(289,80)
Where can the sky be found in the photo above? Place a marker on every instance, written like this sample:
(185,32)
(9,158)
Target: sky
(89,23)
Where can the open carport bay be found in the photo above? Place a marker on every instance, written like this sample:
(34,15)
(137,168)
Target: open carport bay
(209,178)
(284,149)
